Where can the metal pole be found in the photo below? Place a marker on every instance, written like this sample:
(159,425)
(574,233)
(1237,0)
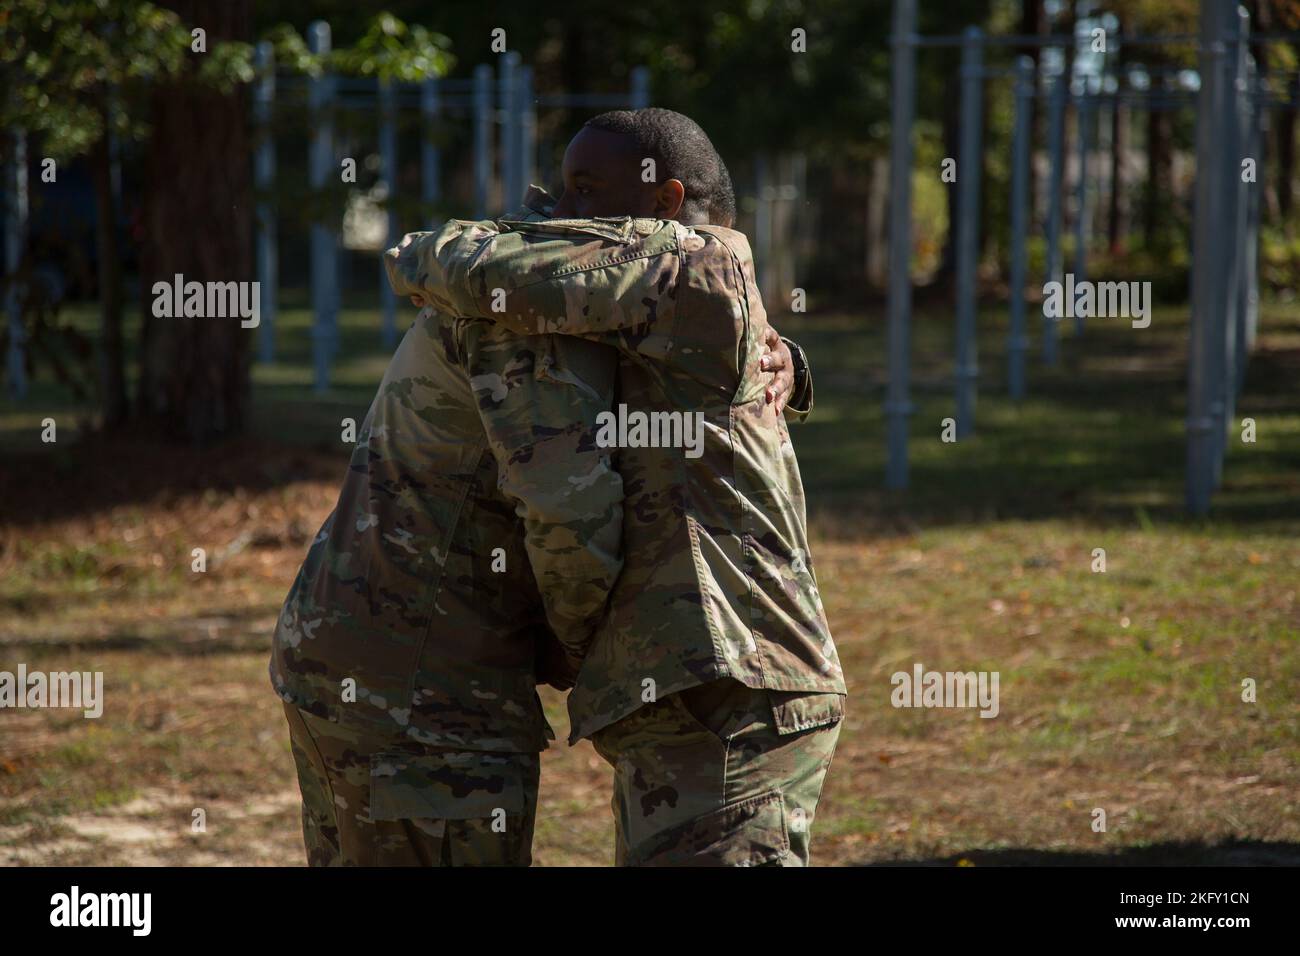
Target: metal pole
(968,210)
(430,160)
(324,238)
(1017,343)
(15,238)
(639,94)
(268,278)
(527,133)
(388,173)
(1056,186)
(507,97)
(1258,139)
(898,402)
(1247,294)
(482,138)
(1231,231)
(1205,271)
(1082,220)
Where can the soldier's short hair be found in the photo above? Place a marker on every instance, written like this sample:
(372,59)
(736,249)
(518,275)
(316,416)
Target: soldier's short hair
(681,150)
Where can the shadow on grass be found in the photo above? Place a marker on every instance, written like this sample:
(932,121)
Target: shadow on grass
(1234,853)
(1100,436)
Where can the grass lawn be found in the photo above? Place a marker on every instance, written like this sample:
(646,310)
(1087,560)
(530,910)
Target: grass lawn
(1120,691)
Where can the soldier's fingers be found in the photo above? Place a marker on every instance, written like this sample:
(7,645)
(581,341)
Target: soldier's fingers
(783,384)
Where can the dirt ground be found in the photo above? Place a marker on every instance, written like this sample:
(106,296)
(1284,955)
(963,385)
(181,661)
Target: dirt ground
(1119,691)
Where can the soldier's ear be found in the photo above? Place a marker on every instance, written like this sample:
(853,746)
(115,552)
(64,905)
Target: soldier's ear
(669,197)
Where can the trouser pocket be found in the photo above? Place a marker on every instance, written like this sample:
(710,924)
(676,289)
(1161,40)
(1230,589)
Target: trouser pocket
(748,832)
(720,775)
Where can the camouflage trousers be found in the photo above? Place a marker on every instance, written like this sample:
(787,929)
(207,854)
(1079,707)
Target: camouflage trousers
(376,801)
(720,775)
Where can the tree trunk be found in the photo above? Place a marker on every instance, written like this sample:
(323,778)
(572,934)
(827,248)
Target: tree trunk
(112,363)
(1159,179)
(194,383)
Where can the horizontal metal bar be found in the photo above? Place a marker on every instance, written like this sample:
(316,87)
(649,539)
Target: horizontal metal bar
(1062,40)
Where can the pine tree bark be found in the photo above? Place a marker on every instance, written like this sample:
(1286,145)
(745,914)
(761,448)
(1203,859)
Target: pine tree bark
(194,382)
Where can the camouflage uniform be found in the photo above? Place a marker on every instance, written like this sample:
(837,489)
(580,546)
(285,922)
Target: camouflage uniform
(475,479)
(718,585)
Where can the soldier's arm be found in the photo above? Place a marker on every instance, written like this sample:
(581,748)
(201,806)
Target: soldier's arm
(539,398)
(576,277)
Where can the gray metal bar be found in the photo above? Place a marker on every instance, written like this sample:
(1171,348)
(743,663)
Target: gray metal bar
(1231,231)
(898,403)
(584,100)
(388,173)
(430,158)
(968,210)
(324,237)
(507,97)
(1206,275)
(1039,41)
(639,93)
(1017,342)
(1083,215)
(1055,189)
(482,138)
(1245,141)
(527,164)
(1258,139)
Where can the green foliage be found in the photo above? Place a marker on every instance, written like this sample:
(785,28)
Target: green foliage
(1279,259)
(72,70)
(391,50)
(60,61)
(291,51)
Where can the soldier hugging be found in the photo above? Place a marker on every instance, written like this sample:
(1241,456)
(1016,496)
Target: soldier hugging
(494,533)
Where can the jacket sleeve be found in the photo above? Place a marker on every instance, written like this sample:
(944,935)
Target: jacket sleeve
(539,398)
(575,277)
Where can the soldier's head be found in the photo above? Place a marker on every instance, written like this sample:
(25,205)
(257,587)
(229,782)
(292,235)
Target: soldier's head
(606,171)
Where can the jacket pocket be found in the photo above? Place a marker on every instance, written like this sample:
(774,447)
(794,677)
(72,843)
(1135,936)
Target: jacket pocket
(795,711)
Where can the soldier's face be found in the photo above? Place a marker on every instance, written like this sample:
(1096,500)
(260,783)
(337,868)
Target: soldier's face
(603,177)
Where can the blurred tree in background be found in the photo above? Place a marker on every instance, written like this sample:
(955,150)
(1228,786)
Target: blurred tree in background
(166,83)
(74,71)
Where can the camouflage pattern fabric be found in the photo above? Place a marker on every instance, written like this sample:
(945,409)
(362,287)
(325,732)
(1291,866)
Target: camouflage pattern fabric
(477,518)
(720,775)
(718,580)
(375,801)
